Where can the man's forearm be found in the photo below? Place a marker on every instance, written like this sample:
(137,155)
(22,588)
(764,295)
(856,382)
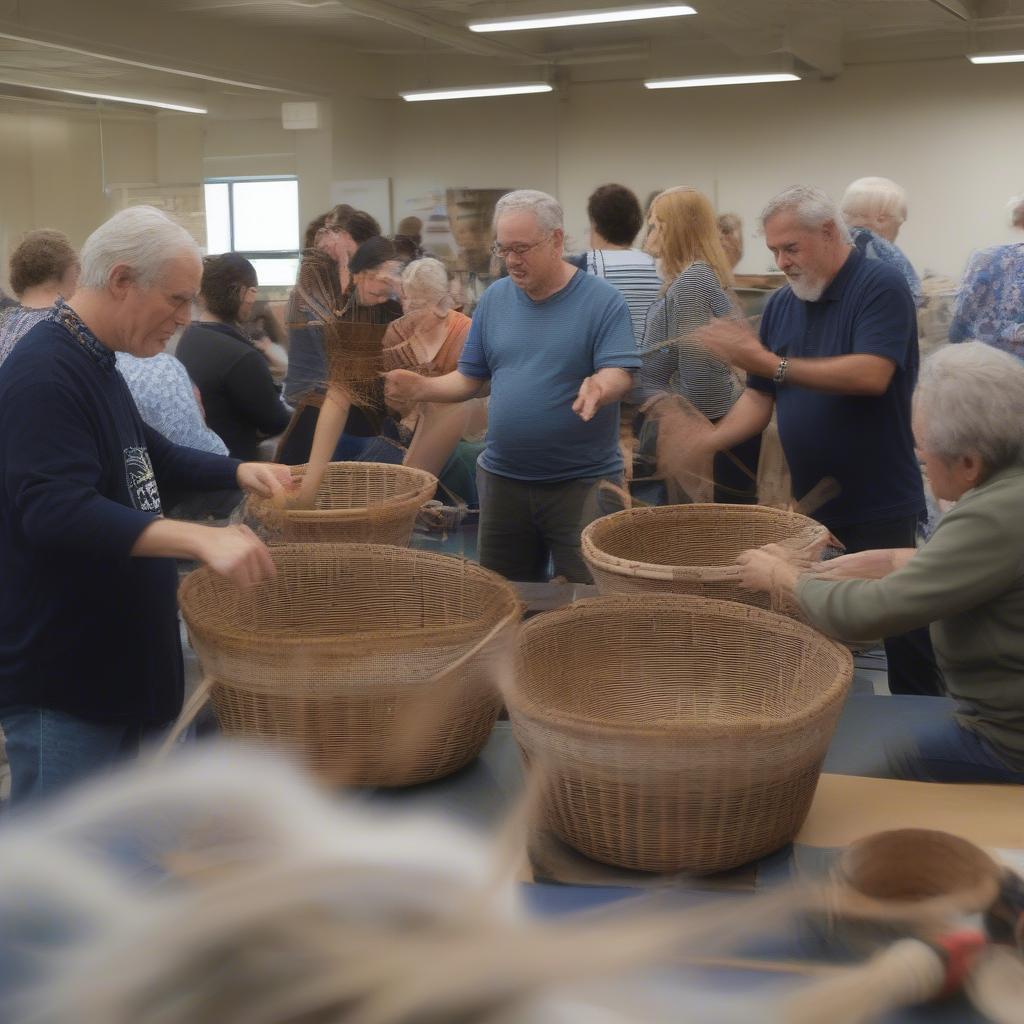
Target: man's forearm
(746,419)
(615,384)
(170,538)
(857,374)
(452,387)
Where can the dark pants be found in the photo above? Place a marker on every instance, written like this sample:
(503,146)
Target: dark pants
(911,660)
(49,750)
(947,752)
(523,523)
(736,473)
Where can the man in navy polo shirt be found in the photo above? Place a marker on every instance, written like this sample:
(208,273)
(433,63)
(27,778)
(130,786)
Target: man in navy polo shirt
(837,358)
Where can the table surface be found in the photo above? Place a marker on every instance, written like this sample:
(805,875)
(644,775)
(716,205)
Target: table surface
(482,793)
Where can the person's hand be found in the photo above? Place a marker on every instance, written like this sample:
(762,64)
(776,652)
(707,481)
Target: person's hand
(686,446)
(262,344)
(589,399)
(766,572)
(267,479)
(237,553)
(402,386)
(733,342)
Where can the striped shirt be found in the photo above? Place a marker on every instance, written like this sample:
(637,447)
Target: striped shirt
(693,300)
(634,274)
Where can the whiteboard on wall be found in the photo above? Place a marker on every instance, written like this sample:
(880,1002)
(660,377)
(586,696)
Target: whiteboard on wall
(371,194)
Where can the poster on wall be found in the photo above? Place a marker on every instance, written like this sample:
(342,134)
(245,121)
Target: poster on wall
(184,204)
(456,228)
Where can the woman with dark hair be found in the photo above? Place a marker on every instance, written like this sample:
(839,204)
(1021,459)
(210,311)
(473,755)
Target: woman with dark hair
(344,230)
(615,221)
(242,405)
(316,301)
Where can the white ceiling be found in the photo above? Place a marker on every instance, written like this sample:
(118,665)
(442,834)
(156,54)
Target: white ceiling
(428,40)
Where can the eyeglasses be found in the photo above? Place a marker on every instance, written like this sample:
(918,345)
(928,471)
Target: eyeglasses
(504,251)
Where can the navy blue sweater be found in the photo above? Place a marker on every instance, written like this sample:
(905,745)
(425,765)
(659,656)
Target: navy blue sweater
(84,627)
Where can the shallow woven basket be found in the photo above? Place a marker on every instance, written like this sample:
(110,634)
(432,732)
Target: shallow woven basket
(375,663)
(676,733)
(688,549)
(358,502)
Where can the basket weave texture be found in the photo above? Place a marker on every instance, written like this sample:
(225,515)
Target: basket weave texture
(342,656)
(688,549)
(675,733)
(358,502)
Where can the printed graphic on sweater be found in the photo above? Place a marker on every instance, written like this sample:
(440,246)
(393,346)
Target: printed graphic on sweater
(145,495)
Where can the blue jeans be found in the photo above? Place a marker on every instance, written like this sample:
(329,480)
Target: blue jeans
(947,752)
(48,750)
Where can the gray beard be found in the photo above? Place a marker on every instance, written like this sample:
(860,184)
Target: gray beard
(808,291)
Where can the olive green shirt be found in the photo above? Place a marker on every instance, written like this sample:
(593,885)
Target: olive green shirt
(966,583)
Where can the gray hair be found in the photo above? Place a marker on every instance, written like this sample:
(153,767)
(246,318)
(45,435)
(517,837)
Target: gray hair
(812,206)
(868,197)
(547,209)
(427,278)
(141,237)
(970,398)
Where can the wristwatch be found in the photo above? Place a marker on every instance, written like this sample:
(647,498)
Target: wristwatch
(780,372)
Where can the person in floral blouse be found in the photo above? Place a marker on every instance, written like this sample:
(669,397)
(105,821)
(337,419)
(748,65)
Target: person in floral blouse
(990,302)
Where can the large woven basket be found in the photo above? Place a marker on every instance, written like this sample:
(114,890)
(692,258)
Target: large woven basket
(358,502)
(375,663)
(688,549)
(676,733)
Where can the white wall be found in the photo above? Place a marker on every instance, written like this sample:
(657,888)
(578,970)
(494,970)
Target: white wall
(951,133)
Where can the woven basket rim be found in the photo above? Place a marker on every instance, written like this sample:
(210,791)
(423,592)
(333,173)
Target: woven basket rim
(502,586)
(613,563)
(416,495)
(582,725)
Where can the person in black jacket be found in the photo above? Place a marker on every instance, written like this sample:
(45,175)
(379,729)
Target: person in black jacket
(241,402)
(90,652)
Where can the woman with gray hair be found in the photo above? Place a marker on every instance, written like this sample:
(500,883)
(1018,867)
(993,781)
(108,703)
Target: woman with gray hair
(874,210)
(990,301)
(429,339)
(965,582)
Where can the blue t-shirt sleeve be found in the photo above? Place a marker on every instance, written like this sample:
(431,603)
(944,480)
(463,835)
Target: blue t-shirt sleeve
(473,361)
(886,324)
(614,342)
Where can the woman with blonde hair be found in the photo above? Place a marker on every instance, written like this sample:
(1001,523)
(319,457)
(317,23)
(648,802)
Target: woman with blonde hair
(683,236)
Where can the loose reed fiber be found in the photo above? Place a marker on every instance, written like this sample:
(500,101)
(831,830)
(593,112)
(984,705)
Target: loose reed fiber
(675,733)
(689,549)
(356,502)
(374,662)
(355,359)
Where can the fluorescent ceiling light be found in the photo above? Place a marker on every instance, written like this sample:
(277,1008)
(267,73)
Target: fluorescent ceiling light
(605,17)
(135,102)
(995,58)
(476,90)
(699,80)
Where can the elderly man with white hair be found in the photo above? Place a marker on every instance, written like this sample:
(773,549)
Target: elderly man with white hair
(90,653)
(874,210)
(965,582)
(556,345)
(837,359)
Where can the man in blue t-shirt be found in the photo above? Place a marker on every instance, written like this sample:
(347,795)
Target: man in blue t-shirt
(557,347)
(837,360)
